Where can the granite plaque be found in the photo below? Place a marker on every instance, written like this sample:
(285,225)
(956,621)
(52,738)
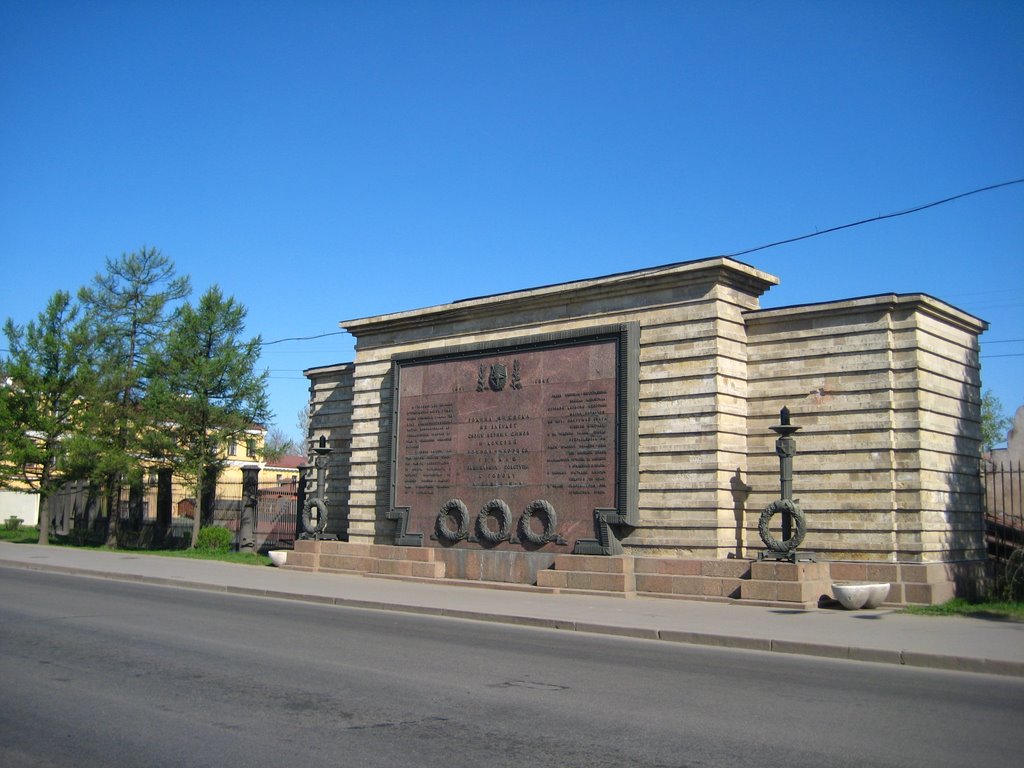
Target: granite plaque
(509,447)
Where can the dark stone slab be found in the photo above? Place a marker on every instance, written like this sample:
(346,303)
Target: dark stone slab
(492,446)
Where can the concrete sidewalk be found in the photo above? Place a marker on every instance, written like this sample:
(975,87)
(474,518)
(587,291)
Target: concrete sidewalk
(884,635)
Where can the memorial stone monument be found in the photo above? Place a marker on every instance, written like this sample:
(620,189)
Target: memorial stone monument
(622,425)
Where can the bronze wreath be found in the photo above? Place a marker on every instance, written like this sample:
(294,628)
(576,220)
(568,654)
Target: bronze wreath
(550,522)
(796,514)
(457,509)
(307,516)
(500,508)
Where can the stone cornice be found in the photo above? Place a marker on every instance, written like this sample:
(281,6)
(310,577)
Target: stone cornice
(921,302)
(718,270)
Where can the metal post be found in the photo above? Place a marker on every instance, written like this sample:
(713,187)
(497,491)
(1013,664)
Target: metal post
(247,522)
(164,478)
(785,447)
(321,460)
(300,500)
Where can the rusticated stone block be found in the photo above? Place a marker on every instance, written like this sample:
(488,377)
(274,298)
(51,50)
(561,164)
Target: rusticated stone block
(759,590)
(594,563)
(604,582)
(556,579)
(802,591)
(687,585)
(725,587)
(668,566)
(733,569)
(781,571)
(922,573)
(882,572)
(848,571)
(928,594)
(304,560)
(654,582)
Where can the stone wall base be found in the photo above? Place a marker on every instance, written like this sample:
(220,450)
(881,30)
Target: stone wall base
(801,584)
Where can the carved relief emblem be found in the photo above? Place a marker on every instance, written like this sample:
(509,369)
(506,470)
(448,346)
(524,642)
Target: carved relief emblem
(496,377)
(499,375)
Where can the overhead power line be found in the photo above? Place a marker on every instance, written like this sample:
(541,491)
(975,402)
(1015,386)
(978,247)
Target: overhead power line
(881,217)
(302,338)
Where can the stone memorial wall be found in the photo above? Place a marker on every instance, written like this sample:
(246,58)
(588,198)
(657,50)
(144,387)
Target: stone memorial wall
(458,405)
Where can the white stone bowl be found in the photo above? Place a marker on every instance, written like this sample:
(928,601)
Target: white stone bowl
(854,595)
(278,556)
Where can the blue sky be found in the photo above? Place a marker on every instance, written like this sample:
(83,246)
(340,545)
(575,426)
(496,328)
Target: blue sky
(324,161)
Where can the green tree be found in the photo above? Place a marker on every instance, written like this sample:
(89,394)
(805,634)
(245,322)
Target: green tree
(303,421)
(128,307)
(44,396)
(277,444)
(994,421)
(205,389)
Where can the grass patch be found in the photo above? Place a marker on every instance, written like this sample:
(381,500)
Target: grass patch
(245,558)
(21,536)
(31,536)
(987,609)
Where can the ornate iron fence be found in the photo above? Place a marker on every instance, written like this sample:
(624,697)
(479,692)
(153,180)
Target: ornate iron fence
(1004,509)
(1005,526)
(276,512)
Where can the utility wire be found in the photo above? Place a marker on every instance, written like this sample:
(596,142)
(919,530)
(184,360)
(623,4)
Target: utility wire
(877,218)
(301,338)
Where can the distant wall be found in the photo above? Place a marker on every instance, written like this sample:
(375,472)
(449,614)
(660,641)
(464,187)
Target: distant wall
(19,504)
(1014,450)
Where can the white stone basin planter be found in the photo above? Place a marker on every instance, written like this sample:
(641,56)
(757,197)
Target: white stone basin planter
(854,595)
(278,556)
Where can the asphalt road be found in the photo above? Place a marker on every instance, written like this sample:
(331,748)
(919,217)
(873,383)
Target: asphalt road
(96,673)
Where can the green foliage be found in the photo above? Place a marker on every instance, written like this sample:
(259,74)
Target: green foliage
(1009,578)
(48,379)
(204,389)
(994,421)
(24,535)
(13,523)
(278,444)
(1003,609)
(242,558)
(128,309)
(214,539)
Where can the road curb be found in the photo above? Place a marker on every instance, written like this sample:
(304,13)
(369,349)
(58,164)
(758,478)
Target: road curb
(898,657)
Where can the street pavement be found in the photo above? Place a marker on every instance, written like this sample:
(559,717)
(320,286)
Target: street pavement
(977,645)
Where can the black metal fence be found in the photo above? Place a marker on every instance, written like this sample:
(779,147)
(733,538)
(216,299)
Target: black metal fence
(276,512)
(1004,509)
(1004,528)
(78,512)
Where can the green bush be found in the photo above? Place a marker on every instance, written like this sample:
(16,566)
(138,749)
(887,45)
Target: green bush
(214,539)
(13,523)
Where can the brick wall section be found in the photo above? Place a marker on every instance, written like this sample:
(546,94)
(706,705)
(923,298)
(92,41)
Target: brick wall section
(886,389)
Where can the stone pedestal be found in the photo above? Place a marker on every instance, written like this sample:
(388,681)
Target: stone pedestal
(778,582)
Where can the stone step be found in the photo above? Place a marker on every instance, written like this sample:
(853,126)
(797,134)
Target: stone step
(725,569)
(361,564)
(594,563)
(299,559)
(377,551)
(688,586)
(803,592)
(591,581)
